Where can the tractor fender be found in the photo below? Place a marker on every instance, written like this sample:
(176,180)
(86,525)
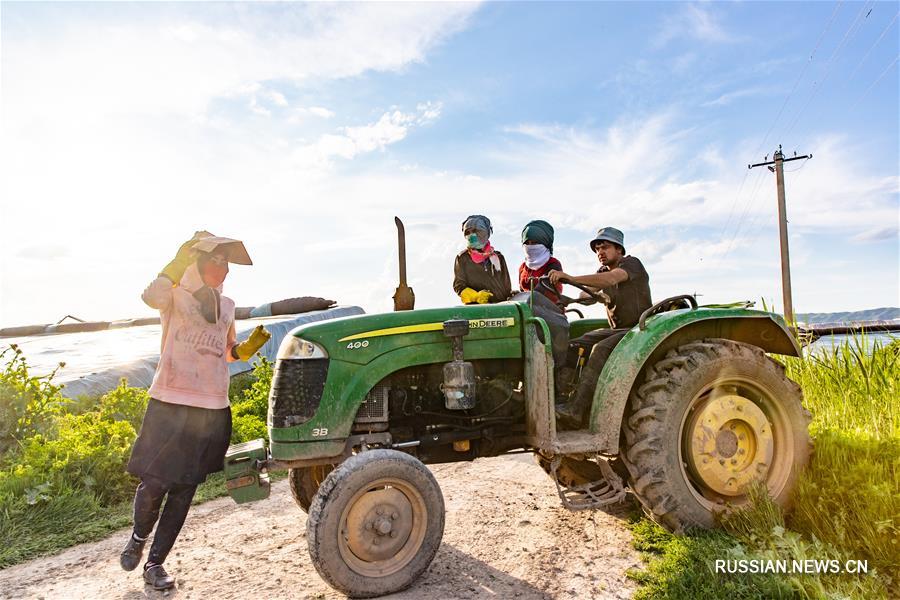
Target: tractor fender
(642,347)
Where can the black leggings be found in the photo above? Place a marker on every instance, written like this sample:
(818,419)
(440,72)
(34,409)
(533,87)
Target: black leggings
(147,500)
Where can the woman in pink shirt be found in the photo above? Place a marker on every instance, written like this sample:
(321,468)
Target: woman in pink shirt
(187,425)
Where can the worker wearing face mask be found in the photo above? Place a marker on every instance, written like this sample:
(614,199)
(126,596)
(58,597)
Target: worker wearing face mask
(537,243)
(187,425)
(480,275)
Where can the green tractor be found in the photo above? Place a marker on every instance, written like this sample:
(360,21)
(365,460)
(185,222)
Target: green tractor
(687,415)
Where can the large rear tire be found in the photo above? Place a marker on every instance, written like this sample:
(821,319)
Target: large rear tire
(712,419)
(305,481)
(375,523)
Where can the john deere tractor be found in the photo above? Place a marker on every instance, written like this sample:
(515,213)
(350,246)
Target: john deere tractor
(689,412)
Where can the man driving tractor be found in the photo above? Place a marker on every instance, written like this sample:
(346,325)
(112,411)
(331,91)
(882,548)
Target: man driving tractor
(626,282)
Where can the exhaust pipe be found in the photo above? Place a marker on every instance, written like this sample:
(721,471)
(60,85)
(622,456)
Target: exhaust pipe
(404,298)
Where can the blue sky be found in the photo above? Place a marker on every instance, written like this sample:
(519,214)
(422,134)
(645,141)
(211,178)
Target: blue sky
(303,129)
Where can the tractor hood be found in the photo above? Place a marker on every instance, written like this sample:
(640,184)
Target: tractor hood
(361,339)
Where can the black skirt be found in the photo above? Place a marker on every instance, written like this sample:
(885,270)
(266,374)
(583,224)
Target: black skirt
(180,444)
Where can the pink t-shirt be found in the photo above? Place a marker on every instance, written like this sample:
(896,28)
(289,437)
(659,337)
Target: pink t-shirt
(194,353)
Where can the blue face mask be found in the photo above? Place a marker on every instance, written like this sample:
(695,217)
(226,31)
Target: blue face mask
(472,241)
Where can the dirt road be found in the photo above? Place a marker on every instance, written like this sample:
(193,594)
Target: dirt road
(506,536)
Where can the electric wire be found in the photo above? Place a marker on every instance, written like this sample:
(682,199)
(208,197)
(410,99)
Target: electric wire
(874,83)
(735,199)
(872,47)
(750,202)
(806,132)
(829,66)
(756,226)
(800,77)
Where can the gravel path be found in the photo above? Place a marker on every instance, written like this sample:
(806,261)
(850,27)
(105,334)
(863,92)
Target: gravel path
(506,536)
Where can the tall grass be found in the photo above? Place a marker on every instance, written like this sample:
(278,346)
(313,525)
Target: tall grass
(852,387)
(849,497)
(846,504)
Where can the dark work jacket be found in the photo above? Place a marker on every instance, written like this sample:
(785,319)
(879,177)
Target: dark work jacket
(469,274)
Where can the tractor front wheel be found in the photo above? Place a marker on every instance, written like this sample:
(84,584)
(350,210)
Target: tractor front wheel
(375,523)
(712,419)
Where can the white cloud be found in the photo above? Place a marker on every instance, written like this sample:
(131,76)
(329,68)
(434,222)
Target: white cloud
(729,97)
(108,139)
(349,142)
(696,22)
(878,234)
(277,97)
(168,61)
(321,112)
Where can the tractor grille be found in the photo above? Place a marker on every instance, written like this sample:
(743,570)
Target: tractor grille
(297,387)
(375,407)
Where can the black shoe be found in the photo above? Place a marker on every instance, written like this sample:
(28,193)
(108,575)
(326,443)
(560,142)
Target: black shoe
(131,555)
(157,577)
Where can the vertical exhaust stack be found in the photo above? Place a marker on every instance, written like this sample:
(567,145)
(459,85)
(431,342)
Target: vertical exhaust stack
(404,298)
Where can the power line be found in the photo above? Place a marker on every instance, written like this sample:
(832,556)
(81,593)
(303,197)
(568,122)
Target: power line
(829,65)
(874,83)
(734,201)
(762,219)
(881,37)
(804,136)
(799,77)
(747,206)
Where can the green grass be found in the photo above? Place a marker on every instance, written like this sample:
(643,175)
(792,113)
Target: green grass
(71,519)
(846,505)
(62,475)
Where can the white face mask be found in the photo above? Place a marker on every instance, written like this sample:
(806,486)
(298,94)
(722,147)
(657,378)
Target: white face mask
(536,255)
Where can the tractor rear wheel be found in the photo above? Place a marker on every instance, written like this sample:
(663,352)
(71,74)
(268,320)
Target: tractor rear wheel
(712,419)
(375,523)
(305,481)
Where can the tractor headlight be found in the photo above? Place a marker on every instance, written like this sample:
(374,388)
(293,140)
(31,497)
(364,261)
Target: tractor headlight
(294,347)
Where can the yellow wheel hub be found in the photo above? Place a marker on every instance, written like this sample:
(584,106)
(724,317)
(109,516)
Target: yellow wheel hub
(729,444)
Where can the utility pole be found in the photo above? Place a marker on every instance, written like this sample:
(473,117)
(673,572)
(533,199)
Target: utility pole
(778,169)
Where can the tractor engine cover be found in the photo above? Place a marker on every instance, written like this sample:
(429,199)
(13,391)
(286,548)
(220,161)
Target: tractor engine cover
(459,385)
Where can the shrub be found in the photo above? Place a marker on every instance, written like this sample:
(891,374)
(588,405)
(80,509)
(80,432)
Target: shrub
(248,414)
(124,403)
(84,452)
(28,404)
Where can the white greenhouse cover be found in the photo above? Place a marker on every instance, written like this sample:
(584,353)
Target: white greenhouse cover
(97,360)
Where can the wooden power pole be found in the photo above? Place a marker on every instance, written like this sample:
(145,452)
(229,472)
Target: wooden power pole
(778,169)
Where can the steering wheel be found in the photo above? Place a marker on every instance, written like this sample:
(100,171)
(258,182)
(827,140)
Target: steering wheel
(595,295)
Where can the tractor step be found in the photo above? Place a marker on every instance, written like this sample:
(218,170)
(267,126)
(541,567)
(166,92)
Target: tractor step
(594,494)
(581,441)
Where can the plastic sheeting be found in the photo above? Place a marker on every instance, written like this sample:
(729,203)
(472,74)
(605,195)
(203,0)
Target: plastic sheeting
(96,361)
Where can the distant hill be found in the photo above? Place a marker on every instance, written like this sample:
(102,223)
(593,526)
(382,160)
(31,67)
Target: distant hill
(872,314)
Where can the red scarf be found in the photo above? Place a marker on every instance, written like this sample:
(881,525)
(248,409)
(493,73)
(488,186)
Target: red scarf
(479,256)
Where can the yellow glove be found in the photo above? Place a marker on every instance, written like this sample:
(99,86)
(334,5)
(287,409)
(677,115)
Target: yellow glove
(183,259)
(468,296)
(483,297)
(246,349)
